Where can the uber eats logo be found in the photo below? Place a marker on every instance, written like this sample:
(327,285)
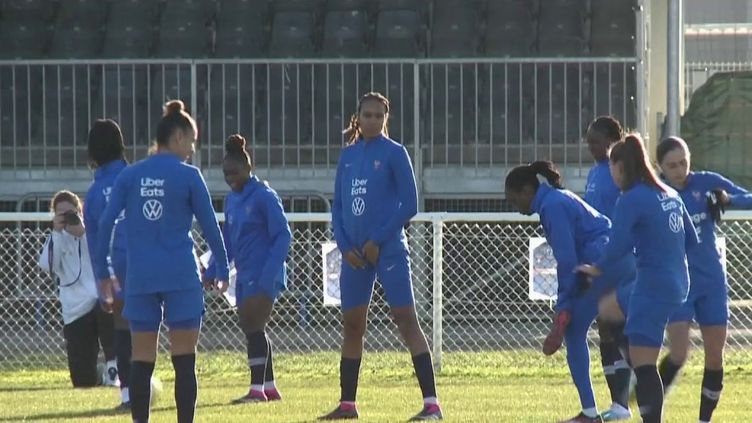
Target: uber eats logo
(152,207)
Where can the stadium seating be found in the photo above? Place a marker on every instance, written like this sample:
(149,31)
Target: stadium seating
(79,29)
(130,29)
(292,34)
(183,29)
(314,28)
(510,28)
(456,24)
(562,28)
(308,104)
(241,29)
(613,29)
(345,33)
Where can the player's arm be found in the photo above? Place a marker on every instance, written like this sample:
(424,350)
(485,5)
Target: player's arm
(338,225)
(560,236)
(94,205)
(278,230)
(106,223)
(407,193)
(207,219)
(738,197)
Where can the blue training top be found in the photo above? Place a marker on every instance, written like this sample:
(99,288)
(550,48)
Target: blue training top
(96,200)
(576,233)
(656,224)
(257,234)
(374,195)
(705,261)
(160,195)
(601,192)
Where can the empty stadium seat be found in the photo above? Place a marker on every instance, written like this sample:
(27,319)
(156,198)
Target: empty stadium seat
(562,28)
(510,29)
(130,29)
(345,34)
(361,5)
(398,34)
(242,29)
(79,29)
(37,10)
(23,39)
(292,35)
(311,6)
(613,29)
(183,29)
(454,28)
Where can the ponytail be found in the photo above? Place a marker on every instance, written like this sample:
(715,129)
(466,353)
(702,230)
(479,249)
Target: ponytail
(527,175)
(632,155)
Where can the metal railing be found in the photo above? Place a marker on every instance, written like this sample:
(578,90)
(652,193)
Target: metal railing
(475,113)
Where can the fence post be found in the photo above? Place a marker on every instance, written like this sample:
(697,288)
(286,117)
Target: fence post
(438,264)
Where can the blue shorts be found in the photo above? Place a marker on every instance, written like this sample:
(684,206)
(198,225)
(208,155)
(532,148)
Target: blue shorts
(393,271)
(707,303)
(623,295)
(180,310)
(646,320)
(253,287)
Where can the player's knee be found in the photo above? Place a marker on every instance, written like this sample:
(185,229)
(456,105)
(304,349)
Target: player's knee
(679,356)
(354,328)
(714,358)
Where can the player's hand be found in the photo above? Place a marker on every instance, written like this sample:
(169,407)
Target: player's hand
(221,285)
(108,288)
(371,252)
(355,260)
(555,337)
(208,282)
(588,270)
(723,197)
(58,223)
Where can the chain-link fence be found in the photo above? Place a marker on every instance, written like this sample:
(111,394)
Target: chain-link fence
(470,276)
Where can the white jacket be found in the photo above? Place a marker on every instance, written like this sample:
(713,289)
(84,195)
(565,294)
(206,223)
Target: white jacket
(70,265)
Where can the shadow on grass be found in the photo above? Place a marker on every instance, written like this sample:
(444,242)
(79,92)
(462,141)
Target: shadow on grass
(106,412)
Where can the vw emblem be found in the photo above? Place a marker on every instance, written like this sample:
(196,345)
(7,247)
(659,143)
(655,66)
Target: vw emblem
(152,210)
(675,222)
(358,206)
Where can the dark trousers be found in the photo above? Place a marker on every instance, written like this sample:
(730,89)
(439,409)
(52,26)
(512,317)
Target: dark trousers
(82,341)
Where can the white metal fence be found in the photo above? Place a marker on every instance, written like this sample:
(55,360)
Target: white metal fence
(475,112)
(470,275)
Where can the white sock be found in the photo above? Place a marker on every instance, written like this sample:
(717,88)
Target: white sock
(590,412)
(618,407)
(431,401)
(269,385)
(257,388)
(124,395)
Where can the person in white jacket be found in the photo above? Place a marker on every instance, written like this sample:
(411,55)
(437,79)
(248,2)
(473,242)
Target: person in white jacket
(65,256)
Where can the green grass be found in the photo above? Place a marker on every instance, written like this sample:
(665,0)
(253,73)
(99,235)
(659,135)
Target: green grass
(483,387)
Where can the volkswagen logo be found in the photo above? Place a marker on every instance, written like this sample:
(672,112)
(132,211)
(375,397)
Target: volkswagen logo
(152,210)
(675,222)
(358,206)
